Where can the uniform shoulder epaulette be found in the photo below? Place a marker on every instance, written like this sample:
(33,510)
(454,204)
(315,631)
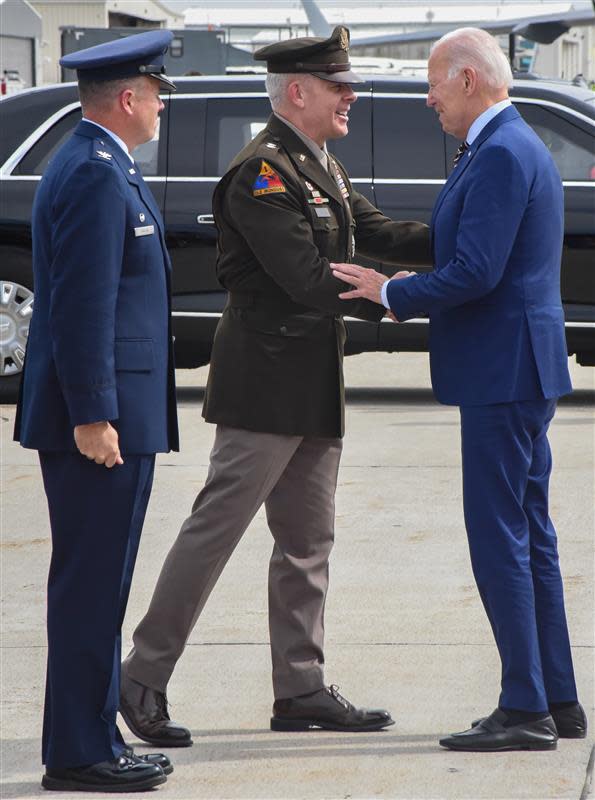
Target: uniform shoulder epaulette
(100,152)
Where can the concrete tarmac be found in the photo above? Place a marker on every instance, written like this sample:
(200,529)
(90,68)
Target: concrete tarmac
(405,627)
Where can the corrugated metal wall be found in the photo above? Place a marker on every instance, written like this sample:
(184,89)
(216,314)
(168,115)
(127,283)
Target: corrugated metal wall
(53,16)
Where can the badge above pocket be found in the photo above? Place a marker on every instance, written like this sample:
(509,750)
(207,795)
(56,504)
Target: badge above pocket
(145,230)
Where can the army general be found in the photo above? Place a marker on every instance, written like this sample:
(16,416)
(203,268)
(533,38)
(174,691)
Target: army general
(284,210)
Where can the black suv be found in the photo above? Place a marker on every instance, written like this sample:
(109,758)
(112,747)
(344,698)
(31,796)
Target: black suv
(396,154)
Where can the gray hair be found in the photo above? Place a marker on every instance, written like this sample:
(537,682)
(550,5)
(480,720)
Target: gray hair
(472,47)
(100,95)
(277,83)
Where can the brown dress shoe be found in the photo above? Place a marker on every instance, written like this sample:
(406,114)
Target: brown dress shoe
(145,712)
(328,710)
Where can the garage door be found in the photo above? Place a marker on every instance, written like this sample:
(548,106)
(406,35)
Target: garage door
(17,53)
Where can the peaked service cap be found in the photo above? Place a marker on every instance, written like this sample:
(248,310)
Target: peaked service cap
(325,58)
(129,57)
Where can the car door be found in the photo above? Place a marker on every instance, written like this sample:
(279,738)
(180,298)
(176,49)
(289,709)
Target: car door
(409,172)
(207,131)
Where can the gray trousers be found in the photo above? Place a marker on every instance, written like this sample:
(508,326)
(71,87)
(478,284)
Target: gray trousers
(295,477)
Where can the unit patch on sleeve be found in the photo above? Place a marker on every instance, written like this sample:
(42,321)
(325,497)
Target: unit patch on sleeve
(267,182)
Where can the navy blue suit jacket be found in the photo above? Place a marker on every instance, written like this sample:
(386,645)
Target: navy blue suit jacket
(496,318)
(99,344)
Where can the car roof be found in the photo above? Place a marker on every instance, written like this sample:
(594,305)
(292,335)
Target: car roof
(23,112)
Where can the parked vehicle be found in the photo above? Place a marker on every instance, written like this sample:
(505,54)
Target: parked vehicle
(10,82)
(396,154)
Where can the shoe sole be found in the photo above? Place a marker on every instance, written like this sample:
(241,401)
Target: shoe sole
(570,734)
(278,724)
(154,741)
(60,785)
(527,746)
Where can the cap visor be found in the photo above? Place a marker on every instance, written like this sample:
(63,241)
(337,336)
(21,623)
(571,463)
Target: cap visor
(171,86)
(347,76)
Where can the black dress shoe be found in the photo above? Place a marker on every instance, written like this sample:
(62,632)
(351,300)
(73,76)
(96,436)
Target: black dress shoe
(151,758)
(145,712)
(326,709)
(120,775)
(491,735)
(571,722)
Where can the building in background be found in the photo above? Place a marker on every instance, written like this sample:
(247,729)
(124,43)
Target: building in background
(20,40)
(251,24)
(56,14)
(191,52)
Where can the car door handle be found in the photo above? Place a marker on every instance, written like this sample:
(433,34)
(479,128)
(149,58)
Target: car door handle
(205,219)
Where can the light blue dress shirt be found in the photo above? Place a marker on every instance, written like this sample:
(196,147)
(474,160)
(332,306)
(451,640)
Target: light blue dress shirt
(114,136)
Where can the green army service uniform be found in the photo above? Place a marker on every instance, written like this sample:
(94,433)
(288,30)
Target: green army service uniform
(275,391)
(279,345)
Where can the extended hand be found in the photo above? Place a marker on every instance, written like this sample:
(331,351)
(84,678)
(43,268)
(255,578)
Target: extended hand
(98,441)
(367,282)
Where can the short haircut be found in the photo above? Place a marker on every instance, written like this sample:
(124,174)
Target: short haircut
(473,47)
(277,83)
(101,94)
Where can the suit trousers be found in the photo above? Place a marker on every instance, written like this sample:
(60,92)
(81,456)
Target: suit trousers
(514,555)
(295,477)
(96,518)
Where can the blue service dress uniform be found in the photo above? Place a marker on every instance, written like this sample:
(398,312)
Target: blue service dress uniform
(100,348)
(497,350)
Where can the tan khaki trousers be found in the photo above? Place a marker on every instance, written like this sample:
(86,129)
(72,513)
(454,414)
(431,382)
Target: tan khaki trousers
(295,477)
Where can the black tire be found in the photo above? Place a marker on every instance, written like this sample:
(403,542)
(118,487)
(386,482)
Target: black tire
(9,389)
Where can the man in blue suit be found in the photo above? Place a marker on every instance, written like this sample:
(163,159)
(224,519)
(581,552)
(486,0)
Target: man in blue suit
(98,401)
(498,351)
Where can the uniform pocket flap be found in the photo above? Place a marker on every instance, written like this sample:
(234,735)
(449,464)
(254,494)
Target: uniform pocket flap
(134,355)
(301,326)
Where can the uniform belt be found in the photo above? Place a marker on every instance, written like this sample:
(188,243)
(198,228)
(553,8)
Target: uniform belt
(279,301)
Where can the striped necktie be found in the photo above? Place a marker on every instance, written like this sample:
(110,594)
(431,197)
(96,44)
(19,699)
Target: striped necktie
(460,152)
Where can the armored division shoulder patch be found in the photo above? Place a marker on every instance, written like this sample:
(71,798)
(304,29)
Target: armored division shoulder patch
(267,182)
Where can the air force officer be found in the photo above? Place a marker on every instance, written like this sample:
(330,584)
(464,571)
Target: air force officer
(98,401)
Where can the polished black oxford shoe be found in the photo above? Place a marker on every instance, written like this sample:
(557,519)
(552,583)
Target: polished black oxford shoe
(120,775)
(571,722)
(328,710)
(491,735)
(150,758)
(145,712)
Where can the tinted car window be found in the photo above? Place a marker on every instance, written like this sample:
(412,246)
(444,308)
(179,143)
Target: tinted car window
(231,124)
(354,150)
(408,140)
(186,137)
(570,146)
(38,157)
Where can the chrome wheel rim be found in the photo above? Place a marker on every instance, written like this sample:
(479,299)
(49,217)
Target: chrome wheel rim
(16,307)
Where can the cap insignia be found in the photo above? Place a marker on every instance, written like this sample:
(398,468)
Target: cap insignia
(344,39)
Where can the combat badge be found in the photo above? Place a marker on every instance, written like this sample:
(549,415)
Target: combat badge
(267,182)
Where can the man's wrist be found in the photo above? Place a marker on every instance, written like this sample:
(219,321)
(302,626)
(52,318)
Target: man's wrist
(383,295)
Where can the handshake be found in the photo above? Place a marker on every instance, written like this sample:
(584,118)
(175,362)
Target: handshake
(366,282)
